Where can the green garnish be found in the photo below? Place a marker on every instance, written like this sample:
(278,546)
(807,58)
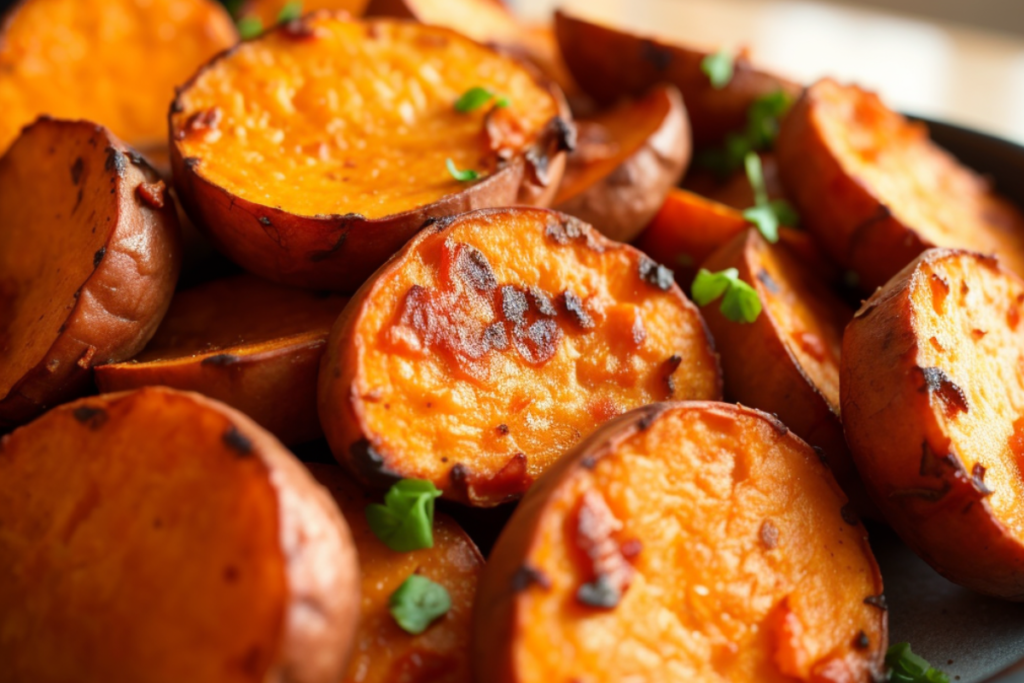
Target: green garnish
(762,128)
(719,68)
(417,603)
(740,302)
(462,176)
(405,521)
(290,12)
(766,214)
(906,667)
(249,27)
(476,97)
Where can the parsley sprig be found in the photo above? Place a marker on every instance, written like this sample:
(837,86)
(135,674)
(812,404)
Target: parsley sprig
(740,302)
(417,603)
(463,176)
(719,67)
(766,214)
(906,667)
(290,12)
(249,27)
(476,97)
(405,521)
(762,128)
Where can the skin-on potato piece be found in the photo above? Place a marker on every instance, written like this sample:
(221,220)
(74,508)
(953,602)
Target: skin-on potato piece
(111,61)
(320,189)
(249,343)
(159,536)
(383,652)
(932,402)
(687,542)
(610,64)
(493,342)
(625,162)
(876,192)
(89,255)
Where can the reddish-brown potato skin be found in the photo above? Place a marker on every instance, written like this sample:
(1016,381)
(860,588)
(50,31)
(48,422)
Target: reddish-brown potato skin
(119,306)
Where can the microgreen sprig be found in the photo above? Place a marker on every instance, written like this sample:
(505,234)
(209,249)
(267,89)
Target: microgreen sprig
(476,97)
(417,603)
(405,521)
(463,176)
(766,214)
(719,67)
(740,302)
(290,12)
(906,667)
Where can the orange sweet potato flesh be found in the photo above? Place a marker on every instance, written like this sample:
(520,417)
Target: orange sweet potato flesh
(268,11)
(320,188)
(625,162)
(723,549)
(247,342)
(876,192)
(89,256)
(115,62)
(932,404)
(493,342)
(160,536)
(383,652)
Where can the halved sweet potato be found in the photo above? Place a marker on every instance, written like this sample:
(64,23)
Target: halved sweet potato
(249,343)
(495,341)
(383,652)
(89,255)
(269,11)
(318,187)
(158,536)
(115,62)
(687,542)
(876,191)
(610,64)
(625,162)
(932,400)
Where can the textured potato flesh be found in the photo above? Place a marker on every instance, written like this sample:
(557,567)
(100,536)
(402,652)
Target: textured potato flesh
(353,117)
(484,413)
(482,20)
(115,62)
(742,543)
(688,228)
(972,334)
(137,530)
(383,651)
(268,11)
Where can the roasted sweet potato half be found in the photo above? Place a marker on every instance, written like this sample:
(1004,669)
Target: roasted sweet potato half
(249,343)
(876,192)
(383,652)
(610,64)
(158,535)
(495,341)
(89,256)
(115,62)
(932,402)
(625,162)
(319,190)
(689,542)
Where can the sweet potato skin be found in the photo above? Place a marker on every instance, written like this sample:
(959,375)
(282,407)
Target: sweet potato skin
(125,285)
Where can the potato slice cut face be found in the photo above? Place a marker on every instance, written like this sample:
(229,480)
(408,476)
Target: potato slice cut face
(493,342)
(317,184)
(115,62)
(383,652)
(933,402)
(89,255)
(876,191)
(157,535)
(247,342)
(269,11)
(690,541)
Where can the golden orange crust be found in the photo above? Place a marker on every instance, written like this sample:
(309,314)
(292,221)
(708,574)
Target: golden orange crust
(495,341)
(723,536)
(269,11)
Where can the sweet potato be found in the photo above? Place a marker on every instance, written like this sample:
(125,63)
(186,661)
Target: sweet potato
(89,255)
(610,64)
(115,62)
(735,189)
(687,542)
(158,536)
(269,11)
(625,162)
(383,652)
(876,192)
(321,189)
(496,340)
(932,398)
(249,343)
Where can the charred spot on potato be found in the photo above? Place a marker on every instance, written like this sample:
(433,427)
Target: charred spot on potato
(878,601)
(116,162)
(97,258)
(564,134)
(566,230)
(324,254)
(849,515)
(601,593)
(936,382)
(542,302)
(668,370)
(371,464)
(76,170)
(594,534)
(201,122)
(152,193)
(502,429)
(575,307)
(935,465)
(90,416)
(136,159)
(655,274)
(656,55)
(191,163)
(861,642)
(766,280)
(769,535)
(220,360)
(237,441)
(780,428)
(527,576)
(978,479)
(472,267)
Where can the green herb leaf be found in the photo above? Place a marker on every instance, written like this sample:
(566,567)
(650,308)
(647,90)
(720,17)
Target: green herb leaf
(719,68)
(767,215)
(740,302)
(405,521)
(708,286)
(417,603)
(906,667)
(290,12)
(476,97)
(765,220)
(249,27)
(462,176)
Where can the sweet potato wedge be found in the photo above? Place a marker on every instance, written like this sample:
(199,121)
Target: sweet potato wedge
(319,191)
(684,541)
(625,162)
(932,402)
(89,255)
(876,192)
(496,340)
(115,62)
(249,343)
(158,536)
(610,64)
(383,652)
